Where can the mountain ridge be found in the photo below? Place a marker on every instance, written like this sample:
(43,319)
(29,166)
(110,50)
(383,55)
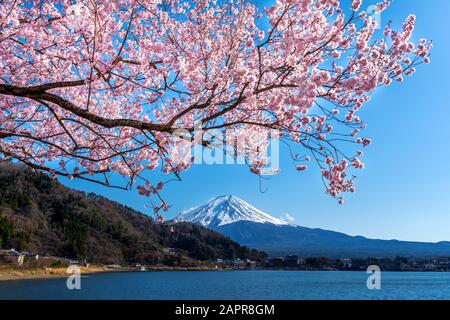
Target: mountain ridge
(284,238)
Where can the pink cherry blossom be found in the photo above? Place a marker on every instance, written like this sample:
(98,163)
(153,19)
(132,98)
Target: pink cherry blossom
(94,88)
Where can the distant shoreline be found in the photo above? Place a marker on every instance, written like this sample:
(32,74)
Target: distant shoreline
(11,274)
(55,273)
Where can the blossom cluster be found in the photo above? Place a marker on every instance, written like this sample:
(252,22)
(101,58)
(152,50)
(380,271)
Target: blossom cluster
(90,88)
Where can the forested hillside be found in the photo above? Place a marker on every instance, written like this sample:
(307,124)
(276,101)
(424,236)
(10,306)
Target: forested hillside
(40,215)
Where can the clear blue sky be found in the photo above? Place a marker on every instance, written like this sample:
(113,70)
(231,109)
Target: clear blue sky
(404,192)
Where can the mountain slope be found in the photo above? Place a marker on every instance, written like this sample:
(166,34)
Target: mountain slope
(283,239)
(225,210)
(40,215)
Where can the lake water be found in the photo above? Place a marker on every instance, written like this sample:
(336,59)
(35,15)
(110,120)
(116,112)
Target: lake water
(258,285)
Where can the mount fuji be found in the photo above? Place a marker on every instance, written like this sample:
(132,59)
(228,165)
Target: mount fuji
(254,228)
(224,210)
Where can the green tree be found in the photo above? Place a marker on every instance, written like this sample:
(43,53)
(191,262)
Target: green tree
(76,234)
(6,231)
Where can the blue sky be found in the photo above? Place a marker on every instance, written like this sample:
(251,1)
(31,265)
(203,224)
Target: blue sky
(404,192)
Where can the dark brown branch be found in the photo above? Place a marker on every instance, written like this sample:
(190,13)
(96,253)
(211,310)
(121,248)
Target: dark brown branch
(37,93)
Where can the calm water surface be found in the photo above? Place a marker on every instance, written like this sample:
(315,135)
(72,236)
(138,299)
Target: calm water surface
(295,285)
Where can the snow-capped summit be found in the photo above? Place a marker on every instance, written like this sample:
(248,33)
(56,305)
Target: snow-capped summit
(224,210)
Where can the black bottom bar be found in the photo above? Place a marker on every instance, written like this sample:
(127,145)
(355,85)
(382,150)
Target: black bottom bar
(225,310)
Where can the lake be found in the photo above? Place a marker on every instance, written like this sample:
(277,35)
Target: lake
(236,285)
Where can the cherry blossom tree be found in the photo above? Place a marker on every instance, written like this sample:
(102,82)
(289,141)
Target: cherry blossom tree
(91,88)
